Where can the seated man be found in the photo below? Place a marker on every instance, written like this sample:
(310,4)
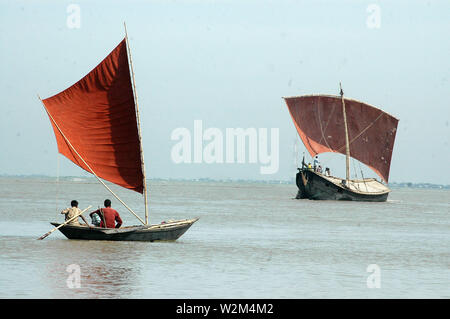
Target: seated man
(108,216)
(71,212)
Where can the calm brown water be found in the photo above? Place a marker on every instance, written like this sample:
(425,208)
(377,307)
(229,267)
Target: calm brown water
(252,241)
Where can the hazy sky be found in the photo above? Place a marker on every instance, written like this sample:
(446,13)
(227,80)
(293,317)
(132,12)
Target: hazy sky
(228,64)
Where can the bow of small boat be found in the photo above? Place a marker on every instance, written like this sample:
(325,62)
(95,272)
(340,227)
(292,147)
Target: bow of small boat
(172,224)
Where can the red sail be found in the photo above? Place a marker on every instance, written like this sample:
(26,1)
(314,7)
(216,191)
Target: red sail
(95,119)
(320,123)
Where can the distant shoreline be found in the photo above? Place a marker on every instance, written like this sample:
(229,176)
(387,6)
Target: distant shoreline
(212,180)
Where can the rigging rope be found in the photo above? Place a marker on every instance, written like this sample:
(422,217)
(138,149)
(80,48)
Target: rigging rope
(362,175)
(362,132)
(87,165)
(57,181)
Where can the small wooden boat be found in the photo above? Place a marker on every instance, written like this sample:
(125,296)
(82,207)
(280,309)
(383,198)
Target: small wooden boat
(328,123)
(168,231)
(96,124)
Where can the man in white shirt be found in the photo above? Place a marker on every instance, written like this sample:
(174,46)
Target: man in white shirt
(316,163)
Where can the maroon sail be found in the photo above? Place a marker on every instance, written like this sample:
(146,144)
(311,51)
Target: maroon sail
(95,122)
(319,121)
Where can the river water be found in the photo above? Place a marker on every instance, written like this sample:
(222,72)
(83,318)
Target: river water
(253,240)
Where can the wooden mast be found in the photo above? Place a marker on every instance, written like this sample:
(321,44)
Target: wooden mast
(347,144)
(139,128)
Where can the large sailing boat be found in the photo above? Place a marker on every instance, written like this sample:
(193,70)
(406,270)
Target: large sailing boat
(96,125)
(329,123)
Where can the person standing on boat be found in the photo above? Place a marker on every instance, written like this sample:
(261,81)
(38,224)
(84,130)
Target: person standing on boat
(108,215)
(71,212)
(316,163)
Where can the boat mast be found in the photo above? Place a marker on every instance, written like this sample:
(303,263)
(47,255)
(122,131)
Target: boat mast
(139,128)
(347,144)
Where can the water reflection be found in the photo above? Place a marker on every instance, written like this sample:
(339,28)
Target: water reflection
(107,269)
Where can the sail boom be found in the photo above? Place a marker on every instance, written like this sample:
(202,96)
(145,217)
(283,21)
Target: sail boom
(338,97)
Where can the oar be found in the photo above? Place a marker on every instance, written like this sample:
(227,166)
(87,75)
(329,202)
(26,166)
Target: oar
(45,235)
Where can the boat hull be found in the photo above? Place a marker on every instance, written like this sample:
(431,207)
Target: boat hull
(313,185)
(164,232)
